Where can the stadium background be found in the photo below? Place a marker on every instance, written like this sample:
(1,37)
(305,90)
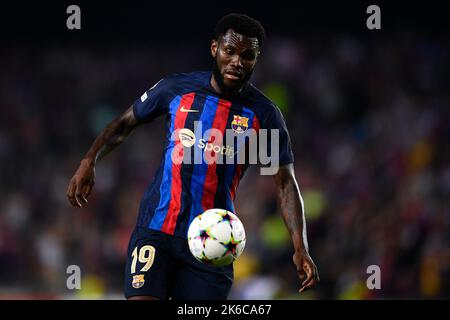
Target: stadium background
(368,112)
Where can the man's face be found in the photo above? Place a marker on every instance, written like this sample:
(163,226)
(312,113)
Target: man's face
(235,57)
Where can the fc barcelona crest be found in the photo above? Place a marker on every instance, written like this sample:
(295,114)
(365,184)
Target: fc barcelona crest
(239,124)
(138,281)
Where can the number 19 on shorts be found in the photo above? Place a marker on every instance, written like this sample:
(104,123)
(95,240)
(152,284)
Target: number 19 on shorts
(146,256)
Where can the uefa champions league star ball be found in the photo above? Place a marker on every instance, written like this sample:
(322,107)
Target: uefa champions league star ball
(216,237)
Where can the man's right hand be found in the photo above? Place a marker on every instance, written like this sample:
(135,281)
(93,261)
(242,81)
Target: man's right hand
(112,135)
(81,184)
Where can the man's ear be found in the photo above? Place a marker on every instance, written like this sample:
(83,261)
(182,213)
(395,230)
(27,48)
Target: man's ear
(214,47)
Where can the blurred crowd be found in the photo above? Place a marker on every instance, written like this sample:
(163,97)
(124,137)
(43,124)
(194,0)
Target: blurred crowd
(369,120)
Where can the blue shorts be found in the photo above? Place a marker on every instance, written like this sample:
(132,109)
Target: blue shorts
(161,265)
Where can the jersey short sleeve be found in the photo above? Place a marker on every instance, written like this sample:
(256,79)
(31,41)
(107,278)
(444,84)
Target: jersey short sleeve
(275,120)
(154,102)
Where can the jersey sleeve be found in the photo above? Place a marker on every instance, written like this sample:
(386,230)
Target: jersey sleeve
(275,120)
(154,102)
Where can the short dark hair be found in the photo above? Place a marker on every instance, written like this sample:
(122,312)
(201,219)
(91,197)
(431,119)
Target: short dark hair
(242,24)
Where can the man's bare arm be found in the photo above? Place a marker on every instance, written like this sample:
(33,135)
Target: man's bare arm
(111,136)
(292,210)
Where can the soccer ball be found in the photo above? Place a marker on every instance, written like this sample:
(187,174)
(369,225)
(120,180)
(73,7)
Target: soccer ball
(216,237)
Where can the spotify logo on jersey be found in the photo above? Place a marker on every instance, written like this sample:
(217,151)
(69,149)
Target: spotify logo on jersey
(187,137)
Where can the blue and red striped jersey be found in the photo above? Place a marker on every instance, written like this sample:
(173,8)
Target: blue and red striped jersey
(181,190)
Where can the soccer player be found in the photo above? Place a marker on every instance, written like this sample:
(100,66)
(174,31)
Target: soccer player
(159,263)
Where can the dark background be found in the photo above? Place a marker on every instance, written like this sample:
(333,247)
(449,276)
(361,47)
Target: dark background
(106,21)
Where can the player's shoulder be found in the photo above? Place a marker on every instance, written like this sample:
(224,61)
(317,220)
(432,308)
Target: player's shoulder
(181,83)
(194,78)
(263,104)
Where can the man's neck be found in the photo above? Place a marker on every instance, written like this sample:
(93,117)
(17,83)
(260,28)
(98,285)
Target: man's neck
(215,85)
